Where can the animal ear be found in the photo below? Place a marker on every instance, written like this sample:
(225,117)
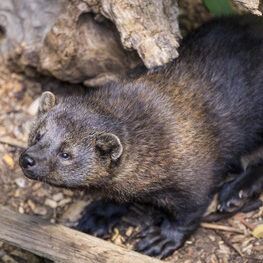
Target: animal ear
(47,102)
(108,143)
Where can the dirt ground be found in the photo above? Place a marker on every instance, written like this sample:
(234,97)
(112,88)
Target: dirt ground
(18,96)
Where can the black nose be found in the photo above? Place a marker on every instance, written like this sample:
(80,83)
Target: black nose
(26,161)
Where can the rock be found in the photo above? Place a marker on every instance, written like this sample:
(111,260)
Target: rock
(74,211)
(51,203)
(21,182)
(57,197)
(64,201)
(39,210)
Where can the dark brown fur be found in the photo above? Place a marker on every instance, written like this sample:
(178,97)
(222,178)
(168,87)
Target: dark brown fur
(178,129)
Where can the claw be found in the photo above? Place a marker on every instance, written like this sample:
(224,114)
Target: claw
(219,208)
(101,217)
(241,194)
(228,204)
(148,244)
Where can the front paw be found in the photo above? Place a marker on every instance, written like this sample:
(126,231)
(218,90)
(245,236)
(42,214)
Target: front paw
(160,241)
(230,204)
(235,197)
(238,204)
(101,217)
(240,193)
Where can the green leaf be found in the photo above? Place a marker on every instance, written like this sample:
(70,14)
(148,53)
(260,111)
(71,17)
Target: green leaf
(219,7)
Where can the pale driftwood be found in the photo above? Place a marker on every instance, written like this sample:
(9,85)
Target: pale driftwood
(149,27)
(63,39)
(61,244)
(74,41)
(80,49)
(251,6)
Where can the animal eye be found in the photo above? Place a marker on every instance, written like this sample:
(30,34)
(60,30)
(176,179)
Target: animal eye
(38,137)
(64,155)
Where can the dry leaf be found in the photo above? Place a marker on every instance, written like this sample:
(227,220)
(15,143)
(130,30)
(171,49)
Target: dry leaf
(258,231)
(116,233)
(9,160)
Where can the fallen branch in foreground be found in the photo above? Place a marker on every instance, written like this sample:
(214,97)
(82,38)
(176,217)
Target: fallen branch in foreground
(60,243)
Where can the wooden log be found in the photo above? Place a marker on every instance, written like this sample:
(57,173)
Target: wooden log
(149,27)
(60,243)
(62,39)
(80,49)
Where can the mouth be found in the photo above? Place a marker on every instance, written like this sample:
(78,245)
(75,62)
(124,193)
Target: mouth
(29,174)
(33,176)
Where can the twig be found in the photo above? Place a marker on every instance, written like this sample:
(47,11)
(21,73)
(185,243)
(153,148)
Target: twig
(221,227)
(12,142)
(248,225)
(228,243)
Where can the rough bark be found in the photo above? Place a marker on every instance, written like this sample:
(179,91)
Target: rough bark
(24,28)
(94,41)
(60,243)
(80,49)
(149,27)
(251,6)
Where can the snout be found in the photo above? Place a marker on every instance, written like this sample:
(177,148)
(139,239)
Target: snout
(26,161)
(28,165)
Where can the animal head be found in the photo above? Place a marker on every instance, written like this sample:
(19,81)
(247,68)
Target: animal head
(70,145)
